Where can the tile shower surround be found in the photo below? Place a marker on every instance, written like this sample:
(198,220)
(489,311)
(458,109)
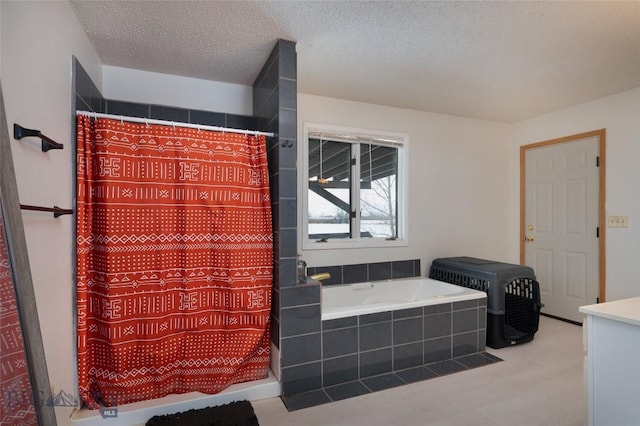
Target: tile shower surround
(274,110)
(88,98)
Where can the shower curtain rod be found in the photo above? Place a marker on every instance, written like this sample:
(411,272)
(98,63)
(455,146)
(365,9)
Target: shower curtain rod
(173,123)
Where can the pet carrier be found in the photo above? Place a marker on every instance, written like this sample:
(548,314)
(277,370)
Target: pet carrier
(513,295)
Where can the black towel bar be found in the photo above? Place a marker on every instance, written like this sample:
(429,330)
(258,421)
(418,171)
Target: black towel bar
(20,132)
(57,211)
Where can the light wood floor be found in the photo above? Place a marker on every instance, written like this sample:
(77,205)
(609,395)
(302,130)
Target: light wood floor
(538,383)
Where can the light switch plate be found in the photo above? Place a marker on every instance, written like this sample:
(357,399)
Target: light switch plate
(618,222)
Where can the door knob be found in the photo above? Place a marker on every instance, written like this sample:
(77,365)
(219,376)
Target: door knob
(528,238)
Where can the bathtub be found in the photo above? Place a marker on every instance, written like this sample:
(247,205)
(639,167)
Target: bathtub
(339,301)
(387,327)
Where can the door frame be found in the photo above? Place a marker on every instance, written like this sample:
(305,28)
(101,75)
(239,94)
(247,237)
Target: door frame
(602,221)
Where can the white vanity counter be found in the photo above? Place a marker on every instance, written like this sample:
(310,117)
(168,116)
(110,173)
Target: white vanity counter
(627,310)
(612,368)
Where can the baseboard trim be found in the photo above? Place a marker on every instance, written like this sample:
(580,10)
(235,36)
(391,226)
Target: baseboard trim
(561,319)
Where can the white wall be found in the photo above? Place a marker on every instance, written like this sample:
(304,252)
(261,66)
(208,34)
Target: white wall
(458,182)
(38,39)
(464,174)
(620,116)
(147,87)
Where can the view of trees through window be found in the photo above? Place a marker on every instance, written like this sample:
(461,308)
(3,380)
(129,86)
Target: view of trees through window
(350,177)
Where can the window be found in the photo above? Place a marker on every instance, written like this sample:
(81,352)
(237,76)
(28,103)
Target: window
(355,183)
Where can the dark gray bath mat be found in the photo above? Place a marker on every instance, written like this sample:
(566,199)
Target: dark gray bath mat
(238,413)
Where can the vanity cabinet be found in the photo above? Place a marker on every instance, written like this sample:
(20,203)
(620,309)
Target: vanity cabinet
(612,364)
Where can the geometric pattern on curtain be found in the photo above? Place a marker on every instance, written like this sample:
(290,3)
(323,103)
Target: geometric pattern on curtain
(174,260)
(16,397)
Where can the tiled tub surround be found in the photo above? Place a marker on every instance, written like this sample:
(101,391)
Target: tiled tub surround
(363,272)
(365,353)
(297,318)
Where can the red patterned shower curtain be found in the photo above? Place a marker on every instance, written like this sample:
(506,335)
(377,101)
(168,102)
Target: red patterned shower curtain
(174,269)
(16,397)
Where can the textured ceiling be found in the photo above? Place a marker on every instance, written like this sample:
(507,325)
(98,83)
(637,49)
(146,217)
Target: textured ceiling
(503,61)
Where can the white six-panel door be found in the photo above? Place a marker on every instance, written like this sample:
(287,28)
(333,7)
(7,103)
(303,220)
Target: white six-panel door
(561,223)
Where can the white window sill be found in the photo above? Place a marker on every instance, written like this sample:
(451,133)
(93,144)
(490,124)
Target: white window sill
(350,244)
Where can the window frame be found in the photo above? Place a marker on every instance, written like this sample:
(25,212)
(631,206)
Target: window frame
(357,136)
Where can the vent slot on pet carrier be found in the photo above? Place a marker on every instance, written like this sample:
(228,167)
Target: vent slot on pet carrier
(457,278)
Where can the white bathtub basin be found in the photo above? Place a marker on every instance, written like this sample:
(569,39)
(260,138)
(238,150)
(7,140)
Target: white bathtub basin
(340,301)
